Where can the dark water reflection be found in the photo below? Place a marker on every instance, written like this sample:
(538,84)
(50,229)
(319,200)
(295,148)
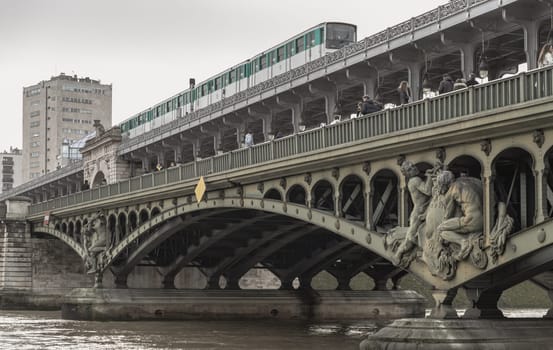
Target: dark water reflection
(44,330)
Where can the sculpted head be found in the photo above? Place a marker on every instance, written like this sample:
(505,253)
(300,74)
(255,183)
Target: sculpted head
(444,179)
(409,169)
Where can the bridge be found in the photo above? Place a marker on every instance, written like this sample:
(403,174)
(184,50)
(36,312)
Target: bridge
(330,198)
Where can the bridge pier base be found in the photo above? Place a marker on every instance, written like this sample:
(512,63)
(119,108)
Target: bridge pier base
(432,334)
(181,304)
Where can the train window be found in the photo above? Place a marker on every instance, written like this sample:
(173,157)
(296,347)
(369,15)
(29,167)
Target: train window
(320,36)
(310,39)
(299,45)
(339,35)
(168,107)
(157,112)
(280,53)
(231,76)
(218,83)
(292,48)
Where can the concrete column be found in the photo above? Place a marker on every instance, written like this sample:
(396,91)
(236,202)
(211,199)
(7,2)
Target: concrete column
(267,126)
(369,87)
(467,59)
(297,118)
(540,175)
(403,208)
(531,40)
(217,142)
(161,158)
(240,132)
(177,151)
(415,70)
(15,247)
(330,104)
(146,164)
(369,210)
(488,202)
(531,35)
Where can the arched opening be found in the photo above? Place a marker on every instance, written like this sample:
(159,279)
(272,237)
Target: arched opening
(296,194)
(548,182)
(78,229)
(99,179)
(465,166)
(514,185)
(352,198)
(384,202)
(133,221)
(112,228)
(64,227)
(155,212)
(273,193)
(259,278)
(122,225)
(71,229)
(324,281)
(322,196)
(57,227)
(143,216)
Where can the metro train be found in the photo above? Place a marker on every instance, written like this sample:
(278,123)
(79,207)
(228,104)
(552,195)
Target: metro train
(298,50)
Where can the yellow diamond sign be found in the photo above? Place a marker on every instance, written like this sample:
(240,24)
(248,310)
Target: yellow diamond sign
(200,189)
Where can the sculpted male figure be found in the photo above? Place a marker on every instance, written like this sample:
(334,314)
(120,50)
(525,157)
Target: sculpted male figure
(463,214)
(420,192)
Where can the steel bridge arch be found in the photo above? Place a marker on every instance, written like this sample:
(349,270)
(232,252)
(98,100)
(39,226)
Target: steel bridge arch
(350,230)
(65,238)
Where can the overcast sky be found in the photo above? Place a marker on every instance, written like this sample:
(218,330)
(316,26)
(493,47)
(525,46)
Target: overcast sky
(148,49)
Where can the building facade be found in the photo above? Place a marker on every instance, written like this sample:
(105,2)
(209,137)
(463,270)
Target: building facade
(57,112)
(10,168)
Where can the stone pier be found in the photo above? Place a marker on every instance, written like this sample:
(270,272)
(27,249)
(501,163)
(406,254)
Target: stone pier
(179,304)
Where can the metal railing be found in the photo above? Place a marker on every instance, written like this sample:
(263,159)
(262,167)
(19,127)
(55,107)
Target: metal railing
(405,28)
(71,169)
(509,91)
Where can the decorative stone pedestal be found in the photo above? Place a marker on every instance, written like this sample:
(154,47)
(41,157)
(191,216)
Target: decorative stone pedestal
(432,334)
(174,304)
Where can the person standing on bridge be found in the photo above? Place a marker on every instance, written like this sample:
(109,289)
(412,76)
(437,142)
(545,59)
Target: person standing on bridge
(404,92)
(446,85)
(248,139)
(472,80)
(368,106)
(545,57)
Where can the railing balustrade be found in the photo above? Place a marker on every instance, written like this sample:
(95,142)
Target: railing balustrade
(500,93)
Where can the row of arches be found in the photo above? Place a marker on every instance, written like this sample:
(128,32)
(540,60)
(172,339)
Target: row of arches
(512,180)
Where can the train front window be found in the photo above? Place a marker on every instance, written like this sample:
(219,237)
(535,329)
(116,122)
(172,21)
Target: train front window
(339,35)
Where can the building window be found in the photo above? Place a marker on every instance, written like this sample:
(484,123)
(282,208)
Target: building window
(35,103)
(35,154)
(35,144)
(32,92)
(35,114)
(34,124)
(36,134)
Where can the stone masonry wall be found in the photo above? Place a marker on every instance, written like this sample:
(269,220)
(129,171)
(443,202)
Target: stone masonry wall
(15,257)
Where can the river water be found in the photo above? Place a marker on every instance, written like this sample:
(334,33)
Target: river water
(22,330)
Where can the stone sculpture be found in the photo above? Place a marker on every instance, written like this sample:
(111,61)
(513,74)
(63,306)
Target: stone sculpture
(95,242)
(446,224)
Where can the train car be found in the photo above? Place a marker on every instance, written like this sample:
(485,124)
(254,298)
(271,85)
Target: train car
(292,53)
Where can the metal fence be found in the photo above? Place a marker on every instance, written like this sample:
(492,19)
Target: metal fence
(509,91)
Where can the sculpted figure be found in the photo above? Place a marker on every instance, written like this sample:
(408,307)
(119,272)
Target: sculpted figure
(95,241)
(503,226)
(463,212)
(420,192)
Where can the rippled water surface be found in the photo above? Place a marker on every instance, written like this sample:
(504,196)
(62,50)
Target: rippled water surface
(45,330)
